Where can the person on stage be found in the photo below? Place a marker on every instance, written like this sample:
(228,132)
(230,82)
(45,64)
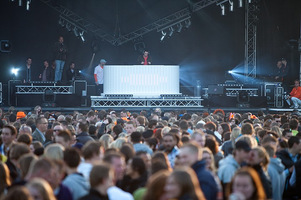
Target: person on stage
(295,96)
(98,76)
(27,72)
(145,59)
(70,73)
(278,75)
(47,73)
(60,55)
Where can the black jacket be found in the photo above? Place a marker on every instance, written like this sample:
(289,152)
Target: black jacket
(70,75)
(60,51)
(83,138)
(266,183)
(285,158)
(94,195)
(49,74)
(131,185)
(206,180)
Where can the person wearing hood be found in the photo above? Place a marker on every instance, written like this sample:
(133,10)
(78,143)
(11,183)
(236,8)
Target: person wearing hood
(190,155)
(229,165)
(276,172)
(75,181)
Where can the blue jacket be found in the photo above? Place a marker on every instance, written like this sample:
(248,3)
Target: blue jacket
(206,180)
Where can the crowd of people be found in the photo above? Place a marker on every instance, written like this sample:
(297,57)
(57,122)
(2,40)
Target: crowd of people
(105,154)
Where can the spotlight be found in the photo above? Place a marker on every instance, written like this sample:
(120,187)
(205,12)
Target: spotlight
(5,46)
(240,4)
(187,23)
(61,22)
(223,9)
(163,35)
(230,72)
(28,4)
(80,71)
(75,31)
(20,2)
(231,8)
(68,27)
(180,26)
(81,34)
(171,30)
(15,71)
(250,1)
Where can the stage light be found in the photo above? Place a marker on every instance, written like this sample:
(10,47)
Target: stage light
(15,71)
(163,35)
(80,71)
(250,1)
(61,22)
(5,46)
(28,4)
(231,8)
(187,23)
(20,2)
(81,34)
(180,26)
(230,72)
(240,4)
(75,31)
(223,9)
(171,30)
(68,27)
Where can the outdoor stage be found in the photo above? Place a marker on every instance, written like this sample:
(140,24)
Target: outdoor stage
(136,88)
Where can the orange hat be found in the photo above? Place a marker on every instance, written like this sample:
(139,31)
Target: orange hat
(20,115)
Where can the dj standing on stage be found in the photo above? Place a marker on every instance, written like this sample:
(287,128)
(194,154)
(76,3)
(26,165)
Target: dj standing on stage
(60,55)
(27,72)
(145,59)
(98,76)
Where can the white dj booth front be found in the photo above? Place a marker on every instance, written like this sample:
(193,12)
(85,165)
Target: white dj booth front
(141,81)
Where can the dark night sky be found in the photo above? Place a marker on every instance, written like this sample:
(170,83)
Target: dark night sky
(212,45)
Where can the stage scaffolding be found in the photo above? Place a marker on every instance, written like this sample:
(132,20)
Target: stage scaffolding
(178,102)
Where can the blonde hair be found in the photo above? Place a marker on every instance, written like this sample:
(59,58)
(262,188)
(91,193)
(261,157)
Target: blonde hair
(54,151)
(234,134)
(117,144)
(249,139)
(277,130)
(140,129)
(43,187)
(262,153)
(165,130)
(212,167)
(106,140)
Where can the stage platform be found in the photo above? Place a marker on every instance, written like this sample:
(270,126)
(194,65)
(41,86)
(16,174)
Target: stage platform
(69,110)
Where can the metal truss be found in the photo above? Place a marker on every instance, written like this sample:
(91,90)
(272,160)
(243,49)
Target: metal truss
(24,89)
(251,20)
(165,22)
(101,102)
(234,92)
(99,30)
(79,21)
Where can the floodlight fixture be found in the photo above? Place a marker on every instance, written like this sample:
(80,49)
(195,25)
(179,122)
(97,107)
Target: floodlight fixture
(68,27)
(240,3)
(187,23)
(179,26)
(223,9)
(163,35)
(231,8)
(81,34)
(15,71)
(75,31)
(171,31)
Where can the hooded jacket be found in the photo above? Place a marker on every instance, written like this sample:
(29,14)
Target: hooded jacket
(206,180)
(227,168)
(277,176)
(78,185)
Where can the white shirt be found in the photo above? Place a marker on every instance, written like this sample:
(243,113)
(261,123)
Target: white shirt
(115,193)
(85,169)
(99,74)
